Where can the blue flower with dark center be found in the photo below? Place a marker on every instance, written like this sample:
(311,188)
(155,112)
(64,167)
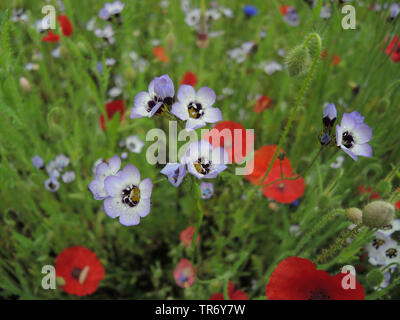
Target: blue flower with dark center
(353,135)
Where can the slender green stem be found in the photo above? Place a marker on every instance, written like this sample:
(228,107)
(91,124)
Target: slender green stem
(339,243)
(197,198)
(305,85)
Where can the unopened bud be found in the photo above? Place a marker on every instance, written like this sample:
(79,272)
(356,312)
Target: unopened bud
(375,277)
(24,83)
(170,41)
(377,214)
(298,61)
(354,215)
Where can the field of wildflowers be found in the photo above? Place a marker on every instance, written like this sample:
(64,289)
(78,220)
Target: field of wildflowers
(112,188)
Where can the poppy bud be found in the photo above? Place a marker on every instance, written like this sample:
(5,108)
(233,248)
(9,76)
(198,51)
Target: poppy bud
(170,41)
(383,188)
(312,47)
(375,277)
(298,61)
(377,214)
(24,83)
(354,215)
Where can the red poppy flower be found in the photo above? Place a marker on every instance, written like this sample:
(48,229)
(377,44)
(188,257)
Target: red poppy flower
(51,37)
(189,78)
(232,294)
(184,274)
(81,270)
(397,204)
(233,137)
(263,103)
(262,158)
(160,54)
(284,191)
(374,195)
(66,25)
(112,108)
(336,59)
(284,9)
(396,50)
(187,235)
(298,279)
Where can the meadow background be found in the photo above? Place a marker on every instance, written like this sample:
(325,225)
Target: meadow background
(60,115)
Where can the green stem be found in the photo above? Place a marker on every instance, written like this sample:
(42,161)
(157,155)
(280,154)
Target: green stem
(339,243)
(325,219)
(197,198)
(305,85)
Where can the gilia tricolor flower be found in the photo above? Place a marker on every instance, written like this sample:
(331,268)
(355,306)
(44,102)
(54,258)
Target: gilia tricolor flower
(175,173)
(203,161)
(353,135)
(104,170)
(128,196)
(80,270)
(161,93)
(207,190)
(110,10)
(196,108)
(298,279)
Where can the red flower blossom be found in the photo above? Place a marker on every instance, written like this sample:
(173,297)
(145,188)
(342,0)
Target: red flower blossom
(160,54)
(112,108)
(66,25)
(284,191)
(81,270)
(263,103)
(298,279)
(262,159)
(189,78)
(336,59)
(232,294)
(374,195)
(396,50)
(233,137)
(187,235)
(397,204)
(51,37)
(284,9)
(184,274)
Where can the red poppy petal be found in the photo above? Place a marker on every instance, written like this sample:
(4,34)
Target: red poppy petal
(51,37)
(239,295)
(66,25)
(189,78)
(217,296)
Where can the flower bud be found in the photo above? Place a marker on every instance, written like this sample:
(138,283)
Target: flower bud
(312,47)
(25,85)
(354,215)
(170,41)
(377,214)
(298,61)
(325,139)
(375,278)
(383,188)
(329,115)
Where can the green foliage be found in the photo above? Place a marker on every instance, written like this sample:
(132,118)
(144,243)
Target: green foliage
(242,240)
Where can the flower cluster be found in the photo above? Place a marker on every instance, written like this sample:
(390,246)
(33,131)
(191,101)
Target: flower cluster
(55,168)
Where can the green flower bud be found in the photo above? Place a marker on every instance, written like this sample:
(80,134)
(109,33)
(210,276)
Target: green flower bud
(298,61)
(383,188)
(312,47)
(377,214)
(170,41)
(354,215)
(375,277)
